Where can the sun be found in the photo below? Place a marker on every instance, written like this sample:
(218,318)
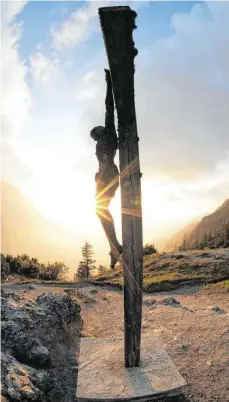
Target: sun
(69,202)
(69,199)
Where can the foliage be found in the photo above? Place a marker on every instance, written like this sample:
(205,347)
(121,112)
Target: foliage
(5,267)
(82,271)
(214,239)
(54,271)
(149,249)
(22,265)
(86,265)
(32,268)
(27,267)
(101,270)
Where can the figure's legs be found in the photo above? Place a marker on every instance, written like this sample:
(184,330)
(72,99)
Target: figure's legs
(107,222)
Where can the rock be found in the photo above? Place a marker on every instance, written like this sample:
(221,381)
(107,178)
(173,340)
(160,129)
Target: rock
(150,303)
(170,301)
(89,299)
(32,352)
(206,255)
(10,295)
(217,310)
(179,256)
(40,345)
(93,291)
(21,382)
(70,292)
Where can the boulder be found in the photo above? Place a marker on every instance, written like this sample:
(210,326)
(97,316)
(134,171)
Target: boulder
(170,301)
(40,347)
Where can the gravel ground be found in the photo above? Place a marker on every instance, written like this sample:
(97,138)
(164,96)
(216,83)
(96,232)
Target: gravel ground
(194,332)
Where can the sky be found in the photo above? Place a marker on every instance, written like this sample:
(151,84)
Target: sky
(53,93)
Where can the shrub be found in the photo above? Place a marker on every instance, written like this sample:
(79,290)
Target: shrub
(31,268)
(149,249)
(54,271)
(11,261)
(5,267)
(26,266)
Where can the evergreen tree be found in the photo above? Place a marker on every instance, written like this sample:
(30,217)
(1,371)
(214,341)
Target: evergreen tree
(183,246)
(82,271)
(87,264)
(149,249)
(226,237)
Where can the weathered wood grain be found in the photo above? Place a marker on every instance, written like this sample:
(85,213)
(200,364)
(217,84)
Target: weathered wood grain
(117,26)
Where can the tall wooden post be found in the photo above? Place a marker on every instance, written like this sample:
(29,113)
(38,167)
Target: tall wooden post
(117,25)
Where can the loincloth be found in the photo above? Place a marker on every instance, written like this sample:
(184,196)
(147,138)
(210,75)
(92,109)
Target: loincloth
(106,184)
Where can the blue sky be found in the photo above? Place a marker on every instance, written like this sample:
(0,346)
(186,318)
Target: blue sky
(54,88)
(38,17)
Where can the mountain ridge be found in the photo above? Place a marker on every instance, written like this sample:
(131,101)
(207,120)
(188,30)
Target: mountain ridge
(209,231)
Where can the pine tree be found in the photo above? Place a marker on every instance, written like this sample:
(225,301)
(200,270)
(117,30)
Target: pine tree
(183,246)
(149,249)
(87,264)
(82,271)
(226,236)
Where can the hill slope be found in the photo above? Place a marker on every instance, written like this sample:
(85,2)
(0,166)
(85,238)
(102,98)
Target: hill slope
(166,271)
(210,231)
(176,240)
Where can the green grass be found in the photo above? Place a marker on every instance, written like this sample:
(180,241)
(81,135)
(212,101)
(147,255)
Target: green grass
(165,271)
(222,285)
(225,284)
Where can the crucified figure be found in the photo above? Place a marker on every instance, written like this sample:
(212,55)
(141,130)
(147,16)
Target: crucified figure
(107,178)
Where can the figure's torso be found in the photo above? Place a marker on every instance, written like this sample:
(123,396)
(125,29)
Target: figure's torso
(105,151)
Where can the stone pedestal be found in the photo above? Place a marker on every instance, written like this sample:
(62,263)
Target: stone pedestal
(103,377)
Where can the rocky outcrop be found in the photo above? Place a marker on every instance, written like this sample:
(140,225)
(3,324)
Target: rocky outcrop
(40,346)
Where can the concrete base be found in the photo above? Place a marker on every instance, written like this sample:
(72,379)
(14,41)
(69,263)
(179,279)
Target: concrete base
(103,377)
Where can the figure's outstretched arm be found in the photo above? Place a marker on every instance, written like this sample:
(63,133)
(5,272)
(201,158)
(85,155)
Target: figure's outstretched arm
(109,103)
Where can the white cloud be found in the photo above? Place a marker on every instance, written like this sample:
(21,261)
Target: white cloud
(78,27)
(43,68)
(15,94)
(16,97)
(9,10)
(83,22)
(182,98)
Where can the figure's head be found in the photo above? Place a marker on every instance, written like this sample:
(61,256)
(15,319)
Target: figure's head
(96,132)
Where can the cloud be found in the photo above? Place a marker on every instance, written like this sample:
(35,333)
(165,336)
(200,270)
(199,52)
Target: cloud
(182,97)
(10,9)
(83,23)
(182,94)
(78,27)
(13,170)
(43,69)
(16,97)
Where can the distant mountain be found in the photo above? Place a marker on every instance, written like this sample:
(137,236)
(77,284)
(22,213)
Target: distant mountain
(213,222)
(174,242)
(211,231)
(25,230)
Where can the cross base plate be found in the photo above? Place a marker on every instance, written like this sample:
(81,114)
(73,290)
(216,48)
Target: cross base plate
(103,377)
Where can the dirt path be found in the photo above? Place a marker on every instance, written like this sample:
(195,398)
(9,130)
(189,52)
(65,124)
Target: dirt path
(49,287)
(195,334)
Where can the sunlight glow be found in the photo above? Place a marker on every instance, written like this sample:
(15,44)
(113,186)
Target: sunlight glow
(69,201)
(68,198)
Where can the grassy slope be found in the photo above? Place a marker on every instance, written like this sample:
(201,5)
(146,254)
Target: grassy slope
(167,271)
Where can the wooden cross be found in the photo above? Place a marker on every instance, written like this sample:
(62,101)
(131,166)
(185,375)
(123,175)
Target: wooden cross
(117,25)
